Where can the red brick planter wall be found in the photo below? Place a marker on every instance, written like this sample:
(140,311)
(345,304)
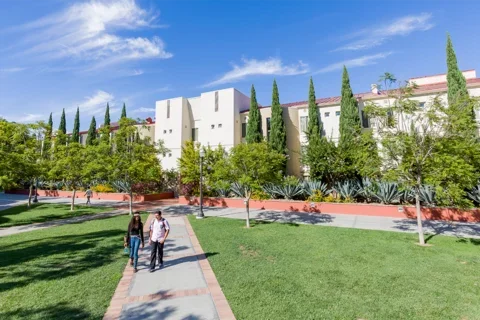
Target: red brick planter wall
(99,195)
(377,210)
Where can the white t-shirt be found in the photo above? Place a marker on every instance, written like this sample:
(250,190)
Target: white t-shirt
(158,229)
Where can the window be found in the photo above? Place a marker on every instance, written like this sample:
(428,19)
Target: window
(164,131)
(337,113)
(194,134)
(170,131)
(365,122)
(212,126)
(216,101)
(327,114)
(168,109)
(421,105)
(219,125)
(244,130)
(268,128)
(169,154)
(303,123)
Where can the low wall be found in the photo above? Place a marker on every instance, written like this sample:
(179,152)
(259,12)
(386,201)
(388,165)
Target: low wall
(98,195)
(364,209)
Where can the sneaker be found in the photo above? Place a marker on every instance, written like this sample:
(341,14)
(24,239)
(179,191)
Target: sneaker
(131,262)
(151,270)
(135,270)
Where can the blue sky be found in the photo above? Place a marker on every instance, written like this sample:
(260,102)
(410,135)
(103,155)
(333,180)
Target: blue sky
(58,54)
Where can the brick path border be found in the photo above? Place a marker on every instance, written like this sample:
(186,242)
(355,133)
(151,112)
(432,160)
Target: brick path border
(120,297)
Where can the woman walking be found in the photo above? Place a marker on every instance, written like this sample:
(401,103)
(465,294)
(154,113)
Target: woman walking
(134,238)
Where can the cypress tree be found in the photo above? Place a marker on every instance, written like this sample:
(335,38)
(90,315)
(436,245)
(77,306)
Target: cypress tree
(92,132)
(457,85)
(63,123)
(314,125)
(278,135)
(106,122)
(137,137)
(124,111)
(350,125)
(49,128)
(76,127)
(254,124)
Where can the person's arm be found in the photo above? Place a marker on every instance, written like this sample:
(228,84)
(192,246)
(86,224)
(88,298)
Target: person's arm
(125,239)
(141,234)
(150,234)
(167,230)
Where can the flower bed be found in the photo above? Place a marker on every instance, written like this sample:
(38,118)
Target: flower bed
(364,209)
(98,195)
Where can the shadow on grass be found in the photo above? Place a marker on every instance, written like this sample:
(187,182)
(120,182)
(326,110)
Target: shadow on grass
(56,311)
(57,257)
(475,242)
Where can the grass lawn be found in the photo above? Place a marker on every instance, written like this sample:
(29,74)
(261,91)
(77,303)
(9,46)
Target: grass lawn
(20,215)
(65,272)
(281,271)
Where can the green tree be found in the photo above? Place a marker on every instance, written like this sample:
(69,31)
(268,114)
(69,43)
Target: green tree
(124,111)
(50,127)
(76,127)
(278,134)
(367,160)
(413,147)
(254,124)
(63,123)
(457,85)
(69,164)
(92,132)
(314,125)
(252,165)
(106,121)
(134,162)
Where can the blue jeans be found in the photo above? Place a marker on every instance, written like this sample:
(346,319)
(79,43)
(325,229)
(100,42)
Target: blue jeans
(134,246)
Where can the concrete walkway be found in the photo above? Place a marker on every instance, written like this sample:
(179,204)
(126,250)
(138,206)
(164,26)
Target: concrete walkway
(457,229)
(185,288)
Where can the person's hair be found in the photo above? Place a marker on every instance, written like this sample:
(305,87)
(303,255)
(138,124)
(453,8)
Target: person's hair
(132,221)
(158,212)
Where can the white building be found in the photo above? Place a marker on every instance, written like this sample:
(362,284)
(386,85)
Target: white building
(220,117)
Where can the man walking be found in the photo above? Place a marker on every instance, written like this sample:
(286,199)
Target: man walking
(88,194)
(159,230)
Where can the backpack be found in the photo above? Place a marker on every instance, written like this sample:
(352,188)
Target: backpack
(162,221)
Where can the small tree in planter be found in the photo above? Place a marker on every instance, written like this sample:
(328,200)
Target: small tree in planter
(414,141)
(134,162)
(68,163)
(251,165)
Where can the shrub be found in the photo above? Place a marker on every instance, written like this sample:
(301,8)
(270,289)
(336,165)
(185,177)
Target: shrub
(367,190)
(388,193)
(269,189)
(103,188)
(330,198)
(309,188)
(189,189)
(288,191)
(347,189)
(474,195)
(427,196)
(316,196)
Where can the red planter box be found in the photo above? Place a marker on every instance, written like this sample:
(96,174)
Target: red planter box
(99,195)
(377,210)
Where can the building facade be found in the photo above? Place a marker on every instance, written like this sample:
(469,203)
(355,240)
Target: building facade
(220,117)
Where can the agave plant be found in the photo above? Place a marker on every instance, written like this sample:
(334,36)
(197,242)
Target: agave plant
(388,193)
(427,195)
(239,190)
(407,195)
(347,190)
(309,188)
(121,186)
(223,192)
(367,189)
(288,191)
(270,189)
(474,195)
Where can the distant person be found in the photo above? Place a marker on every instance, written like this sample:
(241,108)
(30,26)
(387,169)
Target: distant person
(159,230)
(134,238)
(88,194)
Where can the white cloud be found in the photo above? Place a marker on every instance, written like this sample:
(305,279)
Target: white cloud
(86,31)
(11,70)
(143,110)
(377,35)
(137,72)
(357,62)
(25,118)
(253,67)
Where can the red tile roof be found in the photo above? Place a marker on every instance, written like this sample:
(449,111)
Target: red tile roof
(427,88)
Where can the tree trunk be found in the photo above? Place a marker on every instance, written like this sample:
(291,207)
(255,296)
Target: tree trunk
(30,195)
(421,238)
(131,202)
(247,205)
(72,206)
